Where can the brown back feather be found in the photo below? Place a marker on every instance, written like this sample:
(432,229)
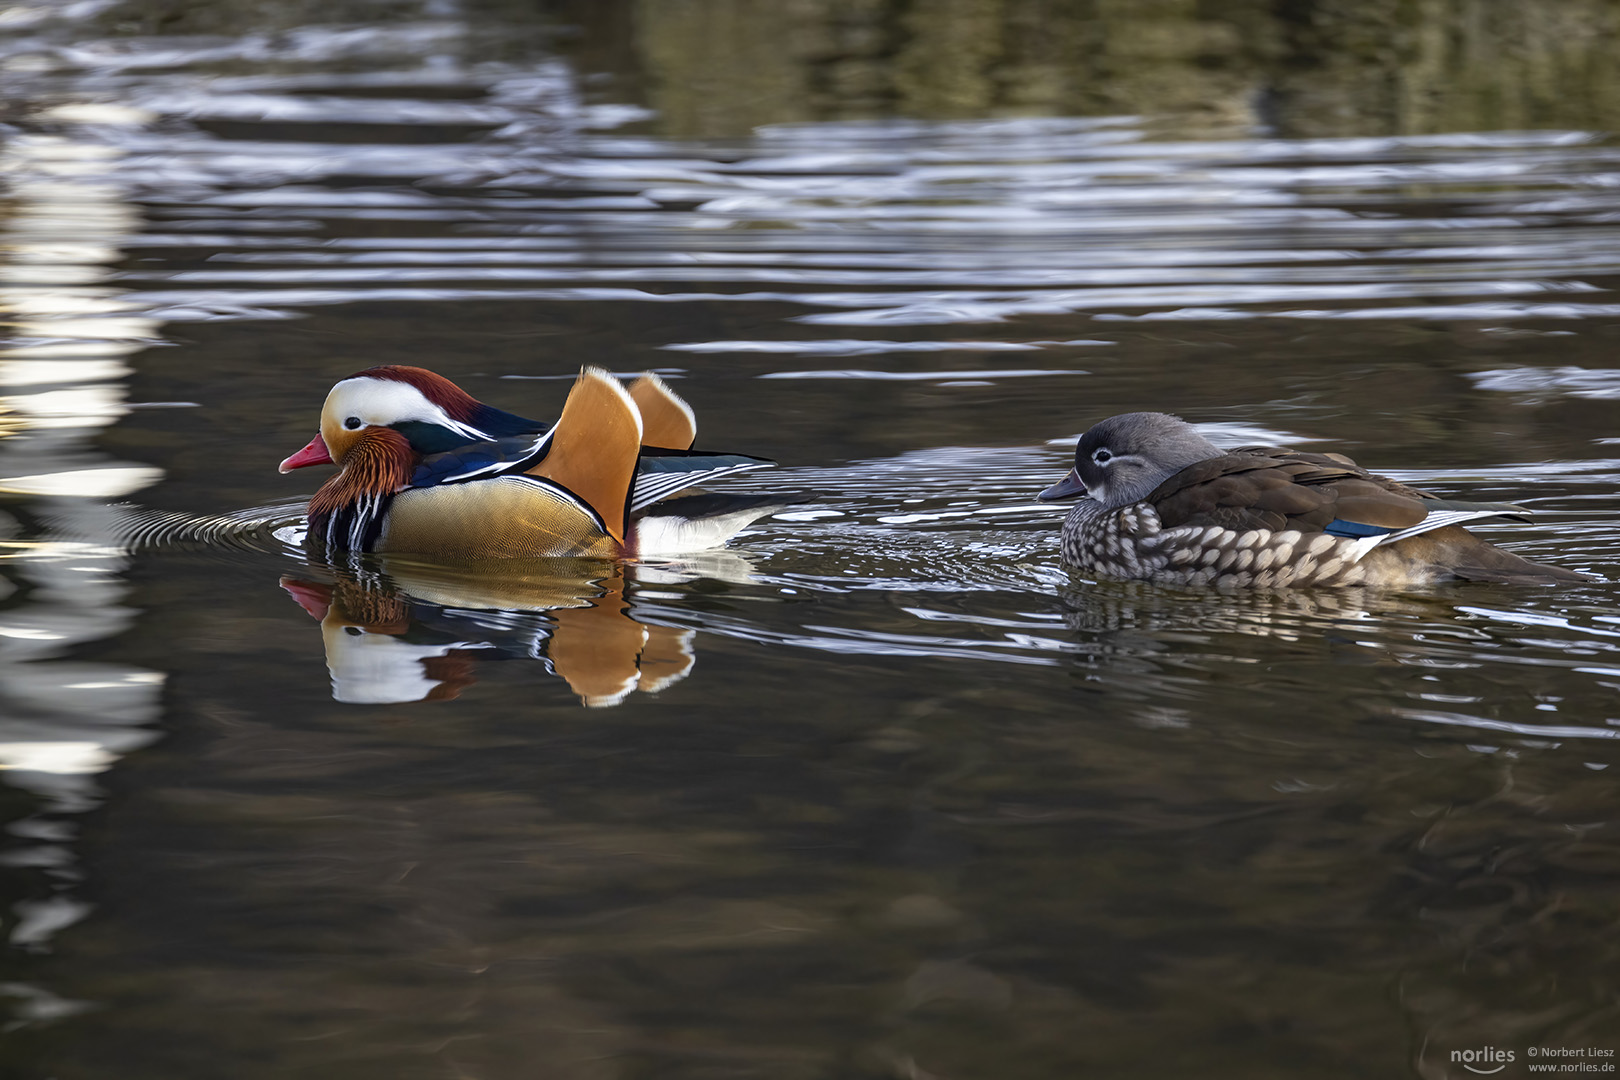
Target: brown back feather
(1275,488)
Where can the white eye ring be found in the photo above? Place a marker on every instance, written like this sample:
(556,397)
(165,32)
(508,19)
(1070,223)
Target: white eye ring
(353,423)
(1101,455)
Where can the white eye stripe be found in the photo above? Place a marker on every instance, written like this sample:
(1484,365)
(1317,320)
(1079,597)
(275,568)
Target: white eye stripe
(386,401)
(1116,459)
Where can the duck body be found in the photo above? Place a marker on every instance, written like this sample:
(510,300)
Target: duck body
(1164,504)
(424,468)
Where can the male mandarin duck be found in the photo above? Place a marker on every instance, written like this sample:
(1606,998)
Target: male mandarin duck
(1164,504)
(425,468)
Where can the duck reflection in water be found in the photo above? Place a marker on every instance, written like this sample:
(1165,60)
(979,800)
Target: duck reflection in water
(418,632)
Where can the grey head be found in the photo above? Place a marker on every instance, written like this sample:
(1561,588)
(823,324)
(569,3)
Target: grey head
(1122,459)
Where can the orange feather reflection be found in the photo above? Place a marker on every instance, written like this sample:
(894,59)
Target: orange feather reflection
(423,633)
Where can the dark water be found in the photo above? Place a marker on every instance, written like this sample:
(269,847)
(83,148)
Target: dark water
(879,790)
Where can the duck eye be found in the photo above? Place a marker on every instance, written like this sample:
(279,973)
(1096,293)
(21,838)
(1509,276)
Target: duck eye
(1101,456)
(353,423)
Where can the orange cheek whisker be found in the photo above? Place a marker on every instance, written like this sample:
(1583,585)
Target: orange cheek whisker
(379,463)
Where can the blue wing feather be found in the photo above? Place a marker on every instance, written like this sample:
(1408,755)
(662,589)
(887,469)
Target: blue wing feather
(1354,530)
(474,460)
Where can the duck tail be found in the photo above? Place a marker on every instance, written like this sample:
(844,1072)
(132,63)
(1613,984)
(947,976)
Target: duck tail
(1469,558)
(667,421)
(595,447)
(689,523)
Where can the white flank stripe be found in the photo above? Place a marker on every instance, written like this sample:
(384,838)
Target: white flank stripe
(1439,520)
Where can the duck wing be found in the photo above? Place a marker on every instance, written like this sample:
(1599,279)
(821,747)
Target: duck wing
(663,472)
(476,460)
(1277,489)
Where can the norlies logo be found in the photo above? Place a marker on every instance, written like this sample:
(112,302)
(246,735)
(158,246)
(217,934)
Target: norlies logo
(1479,1061)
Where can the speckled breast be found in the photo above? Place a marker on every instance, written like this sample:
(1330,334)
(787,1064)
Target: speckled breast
(1130,543)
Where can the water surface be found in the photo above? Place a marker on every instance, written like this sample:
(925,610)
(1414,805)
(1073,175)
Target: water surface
(880,790)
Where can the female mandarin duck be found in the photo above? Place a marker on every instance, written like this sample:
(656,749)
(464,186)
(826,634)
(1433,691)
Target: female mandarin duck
(426,468)
(1165,504)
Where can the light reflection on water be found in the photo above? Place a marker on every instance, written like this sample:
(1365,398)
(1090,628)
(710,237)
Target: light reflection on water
(881,790)
(64,716)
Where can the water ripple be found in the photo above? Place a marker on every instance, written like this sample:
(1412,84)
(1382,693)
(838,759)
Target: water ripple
(513,187)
